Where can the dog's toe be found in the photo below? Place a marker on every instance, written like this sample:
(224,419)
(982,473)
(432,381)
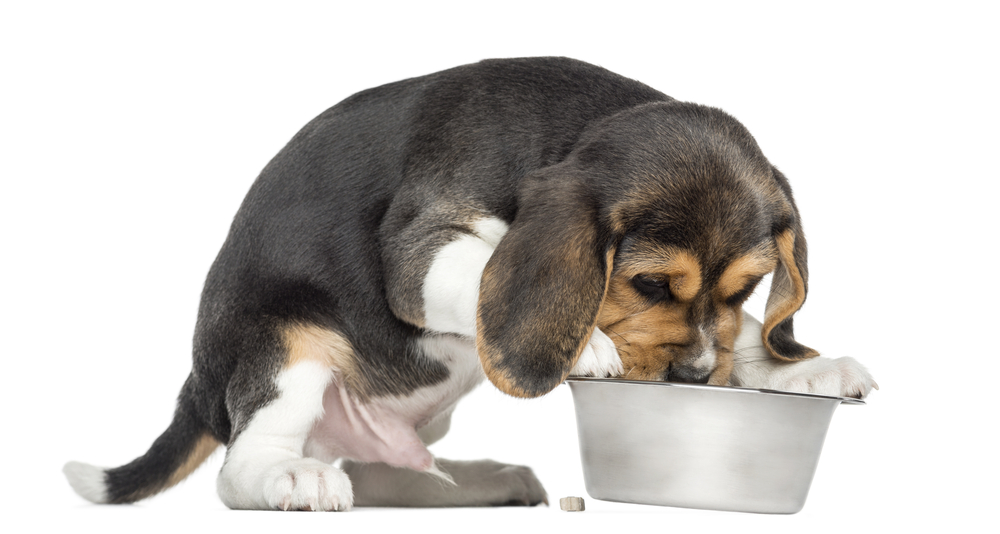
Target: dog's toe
(307,484)
(855,380)
(522,487)
(840,377)
(599,358)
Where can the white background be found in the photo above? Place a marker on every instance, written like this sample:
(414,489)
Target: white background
(129,135)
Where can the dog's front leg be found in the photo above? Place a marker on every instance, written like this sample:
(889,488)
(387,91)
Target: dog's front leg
(754,367)
(450,292)
(599,358)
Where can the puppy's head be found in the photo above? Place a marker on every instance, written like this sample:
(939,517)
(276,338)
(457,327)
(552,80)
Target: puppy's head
(656,229)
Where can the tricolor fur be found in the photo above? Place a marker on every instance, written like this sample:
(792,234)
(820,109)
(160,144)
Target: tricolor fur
(520,220)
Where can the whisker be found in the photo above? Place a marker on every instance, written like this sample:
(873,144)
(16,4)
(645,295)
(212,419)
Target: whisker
(627,342)
(740,353)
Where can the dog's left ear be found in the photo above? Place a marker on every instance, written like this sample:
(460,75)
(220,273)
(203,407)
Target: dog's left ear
(543,286)
(789,284)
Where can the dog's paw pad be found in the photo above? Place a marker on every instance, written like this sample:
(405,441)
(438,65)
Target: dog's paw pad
(599,358)
(307,484)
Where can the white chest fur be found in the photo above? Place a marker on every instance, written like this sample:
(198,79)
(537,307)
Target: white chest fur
(451,287)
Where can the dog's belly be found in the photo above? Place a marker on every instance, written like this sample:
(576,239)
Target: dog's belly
(384,429)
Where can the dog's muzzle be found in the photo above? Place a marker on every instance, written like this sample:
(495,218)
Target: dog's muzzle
(687,374)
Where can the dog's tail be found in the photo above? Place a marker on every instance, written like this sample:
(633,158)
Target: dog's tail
(174,455)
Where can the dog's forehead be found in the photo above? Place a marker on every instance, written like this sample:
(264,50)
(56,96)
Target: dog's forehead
(712,258)
(713,215)
(649,137)
(682,168)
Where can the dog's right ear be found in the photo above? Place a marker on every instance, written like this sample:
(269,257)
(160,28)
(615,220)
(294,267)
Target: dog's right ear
(543,286)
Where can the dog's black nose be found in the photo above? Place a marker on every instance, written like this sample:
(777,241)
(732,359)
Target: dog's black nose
(688,375)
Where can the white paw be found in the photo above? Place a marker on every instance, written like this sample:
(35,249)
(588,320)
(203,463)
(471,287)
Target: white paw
(840,377)
(599,358)
(307,484)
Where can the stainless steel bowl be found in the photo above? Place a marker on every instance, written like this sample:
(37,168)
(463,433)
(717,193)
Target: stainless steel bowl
(696,446)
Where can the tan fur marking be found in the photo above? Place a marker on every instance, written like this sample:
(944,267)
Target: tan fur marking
(310,342)
(723,370)
(648,337)
(751,265)
(685,275)
(789,288)
(204,448)
(728,322)
(487,353)
(680,266)
(501,380)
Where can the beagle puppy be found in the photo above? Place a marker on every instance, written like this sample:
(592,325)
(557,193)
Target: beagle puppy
(520,220)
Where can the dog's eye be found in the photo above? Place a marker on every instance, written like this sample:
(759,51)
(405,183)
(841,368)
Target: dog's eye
(653,287)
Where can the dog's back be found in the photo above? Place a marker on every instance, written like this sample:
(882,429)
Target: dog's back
(330,212)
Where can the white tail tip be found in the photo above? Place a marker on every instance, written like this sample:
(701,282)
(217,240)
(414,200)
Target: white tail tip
(87,480)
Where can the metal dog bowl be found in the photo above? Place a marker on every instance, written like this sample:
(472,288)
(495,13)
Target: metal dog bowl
(697,446)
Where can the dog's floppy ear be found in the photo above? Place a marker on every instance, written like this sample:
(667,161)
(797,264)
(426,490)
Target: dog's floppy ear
(789,284)
(543,287)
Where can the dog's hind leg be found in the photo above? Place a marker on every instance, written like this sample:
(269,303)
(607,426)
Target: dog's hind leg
(476,483)
(264,466)
(472,483)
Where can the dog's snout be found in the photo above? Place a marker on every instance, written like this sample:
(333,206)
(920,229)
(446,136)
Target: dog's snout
(688,374)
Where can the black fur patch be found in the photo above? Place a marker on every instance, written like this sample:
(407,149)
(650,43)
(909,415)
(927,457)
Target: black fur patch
(149,473)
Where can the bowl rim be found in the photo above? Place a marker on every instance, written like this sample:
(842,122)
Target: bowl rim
(843,400)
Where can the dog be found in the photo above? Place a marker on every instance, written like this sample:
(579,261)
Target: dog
(520,220)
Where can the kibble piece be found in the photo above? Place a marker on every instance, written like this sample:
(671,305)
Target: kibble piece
(572,504)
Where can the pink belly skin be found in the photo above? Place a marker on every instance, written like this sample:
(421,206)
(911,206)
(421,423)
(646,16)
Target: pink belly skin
(367,433)
(385,428)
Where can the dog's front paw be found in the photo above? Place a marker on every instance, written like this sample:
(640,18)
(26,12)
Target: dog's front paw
(599,358)
(840,377)
(307,484)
